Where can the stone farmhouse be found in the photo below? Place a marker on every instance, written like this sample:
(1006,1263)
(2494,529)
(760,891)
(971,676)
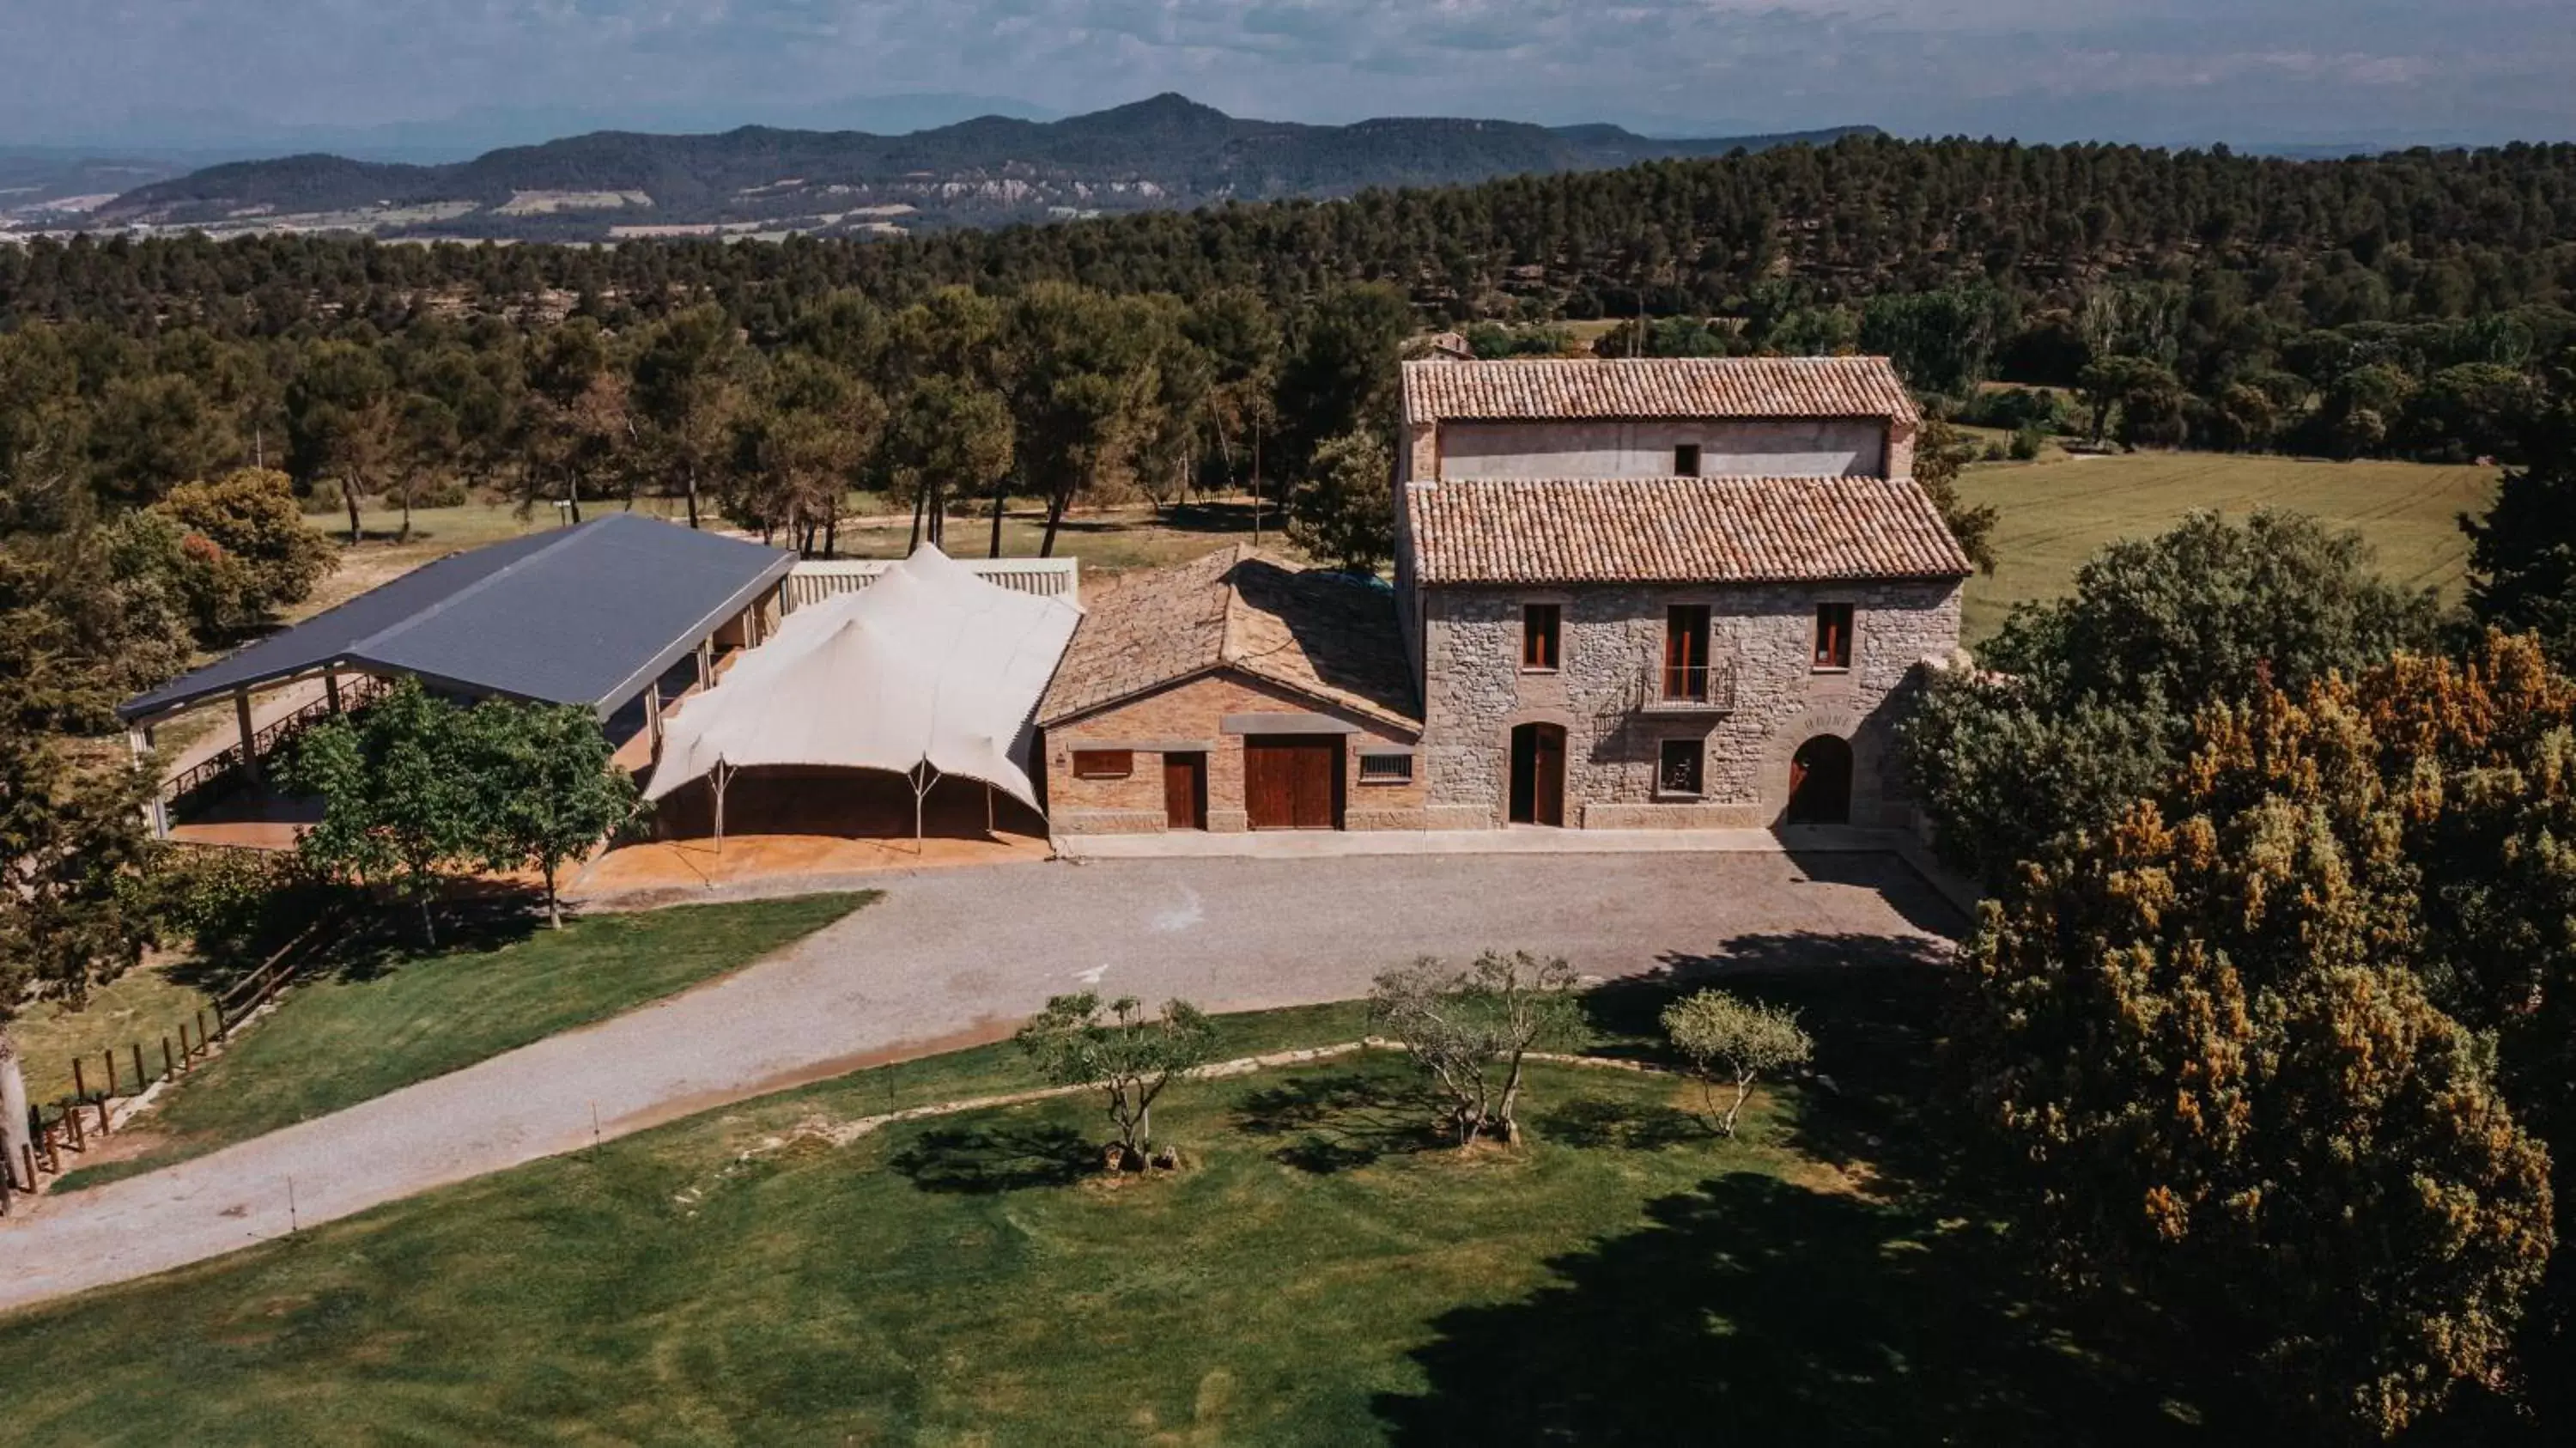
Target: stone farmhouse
(1653,593)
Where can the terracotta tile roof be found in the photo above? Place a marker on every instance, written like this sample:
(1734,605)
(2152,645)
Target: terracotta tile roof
(1677,530)
(1642,387)
(1328,636)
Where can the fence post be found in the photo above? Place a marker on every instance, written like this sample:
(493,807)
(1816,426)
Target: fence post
(102,1116)
(80,1084)
(111,1073)
(201,1033)
(27,1150)
(169,1067)
(72,1128)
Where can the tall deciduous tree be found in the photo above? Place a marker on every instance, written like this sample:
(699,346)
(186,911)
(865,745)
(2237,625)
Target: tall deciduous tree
(2085,700)
(547,790)
(399,794)
(250,538)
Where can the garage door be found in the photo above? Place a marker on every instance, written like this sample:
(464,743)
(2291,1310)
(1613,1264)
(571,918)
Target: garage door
(1293,781)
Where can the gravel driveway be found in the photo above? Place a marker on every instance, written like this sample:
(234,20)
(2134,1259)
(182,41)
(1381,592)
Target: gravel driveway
(956,956)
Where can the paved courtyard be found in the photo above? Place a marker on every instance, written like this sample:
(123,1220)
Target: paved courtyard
(953,957)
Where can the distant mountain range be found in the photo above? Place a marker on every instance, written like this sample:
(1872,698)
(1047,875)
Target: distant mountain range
(1165,152)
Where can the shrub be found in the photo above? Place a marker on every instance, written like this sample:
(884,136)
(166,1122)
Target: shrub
(1731,1043)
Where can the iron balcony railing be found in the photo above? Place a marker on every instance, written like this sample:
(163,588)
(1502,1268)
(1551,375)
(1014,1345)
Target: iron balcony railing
(1688,688)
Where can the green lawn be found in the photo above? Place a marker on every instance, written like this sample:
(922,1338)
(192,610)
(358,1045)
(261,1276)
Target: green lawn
(139,1007)
(2056,514)
(1325,1273)
(387,1018)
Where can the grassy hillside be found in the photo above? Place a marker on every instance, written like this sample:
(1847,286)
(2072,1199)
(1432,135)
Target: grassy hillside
(2055,514)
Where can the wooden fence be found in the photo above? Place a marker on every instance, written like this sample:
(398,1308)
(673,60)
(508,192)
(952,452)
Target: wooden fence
(218,769)
(69,1125)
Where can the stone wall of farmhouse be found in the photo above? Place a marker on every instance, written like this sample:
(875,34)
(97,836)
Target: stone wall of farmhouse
(1189,717)
(1610,644)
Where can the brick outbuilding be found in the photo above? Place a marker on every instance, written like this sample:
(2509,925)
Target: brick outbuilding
(1234,692)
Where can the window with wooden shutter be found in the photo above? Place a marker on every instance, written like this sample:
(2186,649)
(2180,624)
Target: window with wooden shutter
(1103,763)
(1833,635)
(1540,623)
(1686,651)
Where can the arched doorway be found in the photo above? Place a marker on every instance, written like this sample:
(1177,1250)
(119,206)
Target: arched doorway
(1538,774)
(1820,776)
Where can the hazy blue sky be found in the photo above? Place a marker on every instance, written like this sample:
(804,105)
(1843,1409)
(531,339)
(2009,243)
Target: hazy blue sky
(2252,71)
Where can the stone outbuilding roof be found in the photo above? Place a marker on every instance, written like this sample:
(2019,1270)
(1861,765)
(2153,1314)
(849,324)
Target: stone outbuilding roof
(1677,530)
(1563,388)
(1328,636)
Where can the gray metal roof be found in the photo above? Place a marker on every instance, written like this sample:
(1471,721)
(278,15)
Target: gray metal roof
(585,615)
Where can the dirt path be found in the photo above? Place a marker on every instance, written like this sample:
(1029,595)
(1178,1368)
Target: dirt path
(950,959)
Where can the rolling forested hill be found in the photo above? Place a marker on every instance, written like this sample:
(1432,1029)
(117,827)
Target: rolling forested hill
(1168,152)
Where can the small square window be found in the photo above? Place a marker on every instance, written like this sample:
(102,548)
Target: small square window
(1833,635)
(1103,763)
(1386,769)
(1677,771)
(1540,625)
(1686,460)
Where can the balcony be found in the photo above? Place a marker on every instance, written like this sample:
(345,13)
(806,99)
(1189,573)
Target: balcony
(1688,688)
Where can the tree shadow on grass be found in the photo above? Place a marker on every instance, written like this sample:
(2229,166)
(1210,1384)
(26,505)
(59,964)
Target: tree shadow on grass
(1874,1005)
(983,1159)
(1757,1311)
(1594,1124)
(1339,1120)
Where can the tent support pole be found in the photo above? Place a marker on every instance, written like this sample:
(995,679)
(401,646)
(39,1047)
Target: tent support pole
(720,776)
(988,807)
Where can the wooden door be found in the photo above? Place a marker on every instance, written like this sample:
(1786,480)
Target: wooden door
(1538,775)
(1185,791)
(1293,781)
(1820,782)
(1550,791)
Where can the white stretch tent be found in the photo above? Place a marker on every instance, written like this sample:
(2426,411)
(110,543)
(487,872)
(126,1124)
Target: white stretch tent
(932,671)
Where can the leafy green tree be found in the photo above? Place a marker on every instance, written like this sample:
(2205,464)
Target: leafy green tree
(2202,1042)
(1339,374)
(1076,1041)
(72,841)
(1472,1030)
(255,545)
(1733,1041)
(2522,554)
(948,437)
(1939,455)
(804,442)
(547,789)
(2082,701)
(1343,508)
(687,392)
(400,799)
(343,423)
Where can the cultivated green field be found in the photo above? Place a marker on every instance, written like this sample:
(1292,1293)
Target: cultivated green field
(2056,514)
(1326,1272)
(387,1014)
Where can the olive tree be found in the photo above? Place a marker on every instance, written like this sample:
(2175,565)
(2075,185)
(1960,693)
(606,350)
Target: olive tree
(1472,1030)
(1733,1042)
(1075,1041)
